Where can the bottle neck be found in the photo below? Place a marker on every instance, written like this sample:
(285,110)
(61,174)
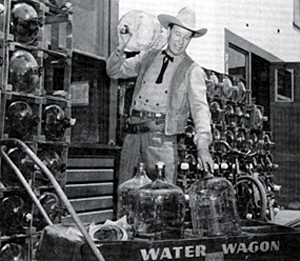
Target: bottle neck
(160,170)
(160,174)
(140,171)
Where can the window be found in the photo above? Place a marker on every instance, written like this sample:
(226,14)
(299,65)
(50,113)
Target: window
(297,13)
(237,62)
(284,85)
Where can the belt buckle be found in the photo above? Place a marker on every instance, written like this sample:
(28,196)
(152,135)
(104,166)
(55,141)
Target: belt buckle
(158,115)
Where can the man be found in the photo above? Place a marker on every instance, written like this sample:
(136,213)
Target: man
(169,86)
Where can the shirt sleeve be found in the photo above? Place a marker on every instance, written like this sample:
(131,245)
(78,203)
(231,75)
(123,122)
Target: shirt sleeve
(119,67)
(199,107)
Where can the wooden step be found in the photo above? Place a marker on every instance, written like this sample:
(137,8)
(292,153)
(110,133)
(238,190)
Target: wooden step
(89,175)
(89,217)
(89,190)
(92,203)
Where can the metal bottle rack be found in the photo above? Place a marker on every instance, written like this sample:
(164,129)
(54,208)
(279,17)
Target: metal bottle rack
(241,147)
(52,51)
(22,146)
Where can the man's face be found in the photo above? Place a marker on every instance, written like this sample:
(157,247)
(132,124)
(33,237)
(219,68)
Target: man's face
(179,39)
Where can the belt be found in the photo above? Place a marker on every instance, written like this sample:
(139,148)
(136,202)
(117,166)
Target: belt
(149,126)
(148,114)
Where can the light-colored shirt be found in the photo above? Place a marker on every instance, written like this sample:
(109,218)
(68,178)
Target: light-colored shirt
(152,96)
(118,67)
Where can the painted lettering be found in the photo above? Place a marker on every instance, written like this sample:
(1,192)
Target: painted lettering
(177,251)
(242,248)
(172,253)
(229,249)
(253,247)
(275,245)
(265,246)
(200,250)
(166,253)
(189,251)
(153,254)
(192,251)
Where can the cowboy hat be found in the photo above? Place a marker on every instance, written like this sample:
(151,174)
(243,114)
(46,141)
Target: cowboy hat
(185,18)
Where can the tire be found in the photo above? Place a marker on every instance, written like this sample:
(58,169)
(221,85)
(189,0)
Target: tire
(251,198)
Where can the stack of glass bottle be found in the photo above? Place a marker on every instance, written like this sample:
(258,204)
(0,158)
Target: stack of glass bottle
(160,209)
(213,208)
(127,193)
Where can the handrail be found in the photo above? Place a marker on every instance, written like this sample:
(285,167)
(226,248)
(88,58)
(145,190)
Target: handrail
(22,146)
(26,185)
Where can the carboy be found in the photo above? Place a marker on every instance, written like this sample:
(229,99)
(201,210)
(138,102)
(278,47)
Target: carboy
(160,209)
(213,207)
(127,193)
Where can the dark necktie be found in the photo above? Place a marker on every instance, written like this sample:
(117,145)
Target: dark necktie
(166,60)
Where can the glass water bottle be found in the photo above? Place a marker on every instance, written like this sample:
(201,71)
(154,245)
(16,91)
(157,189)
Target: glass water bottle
(127,193)
(213,208)
(160,209)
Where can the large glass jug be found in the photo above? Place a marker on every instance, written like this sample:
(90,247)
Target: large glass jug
(213,207)
(127,193)
(160,209)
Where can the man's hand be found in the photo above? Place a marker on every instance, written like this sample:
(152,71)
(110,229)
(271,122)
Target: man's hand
(124,37)
(205,160)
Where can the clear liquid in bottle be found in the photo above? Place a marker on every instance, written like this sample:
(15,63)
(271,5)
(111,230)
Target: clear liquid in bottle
(127,193)
(160,209)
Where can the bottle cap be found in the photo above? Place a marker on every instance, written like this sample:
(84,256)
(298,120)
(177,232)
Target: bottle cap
(142,164)
(224,165)
(160,165)
(184,166)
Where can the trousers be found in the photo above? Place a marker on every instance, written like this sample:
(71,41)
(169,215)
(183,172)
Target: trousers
(150,148)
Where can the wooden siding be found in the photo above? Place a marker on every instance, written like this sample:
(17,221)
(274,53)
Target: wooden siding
(90,187)
(89,175)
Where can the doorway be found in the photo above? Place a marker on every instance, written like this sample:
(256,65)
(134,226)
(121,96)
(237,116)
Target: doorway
(261,85)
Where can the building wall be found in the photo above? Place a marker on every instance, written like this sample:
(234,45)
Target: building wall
(267,24)
(94,36)
(285,125)
(95,26)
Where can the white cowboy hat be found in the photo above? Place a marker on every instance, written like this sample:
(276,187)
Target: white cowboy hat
(185,18)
